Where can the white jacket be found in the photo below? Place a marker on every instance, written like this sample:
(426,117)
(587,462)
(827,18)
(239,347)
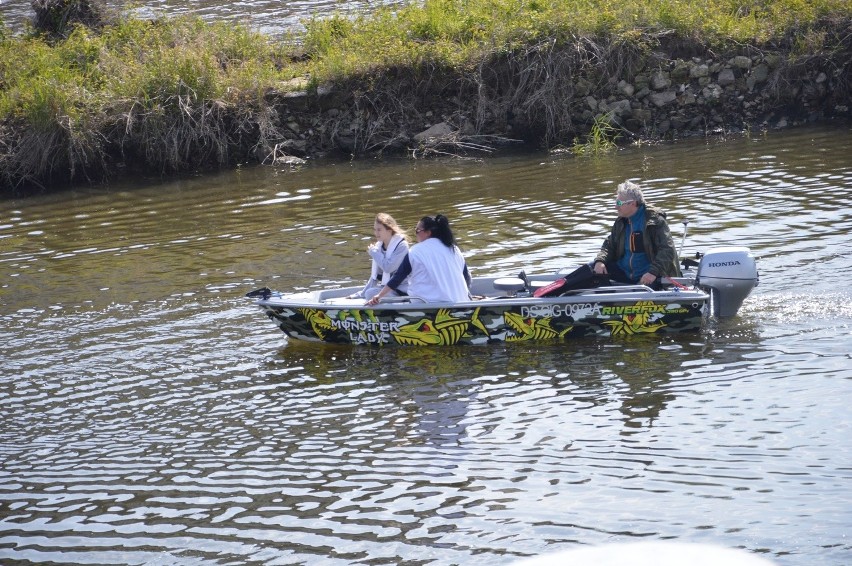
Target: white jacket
(384,265)
(437,272)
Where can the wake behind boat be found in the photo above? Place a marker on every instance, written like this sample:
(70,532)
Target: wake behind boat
(504,309)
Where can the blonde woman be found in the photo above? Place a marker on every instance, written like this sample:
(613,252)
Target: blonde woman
(387,253)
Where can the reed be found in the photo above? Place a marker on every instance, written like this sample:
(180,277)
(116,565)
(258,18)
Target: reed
(601,138)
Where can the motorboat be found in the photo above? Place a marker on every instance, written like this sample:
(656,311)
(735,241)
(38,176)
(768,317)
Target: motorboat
(506,309)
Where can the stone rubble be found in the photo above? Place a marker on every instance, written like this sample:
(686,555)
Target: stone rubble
(675,98)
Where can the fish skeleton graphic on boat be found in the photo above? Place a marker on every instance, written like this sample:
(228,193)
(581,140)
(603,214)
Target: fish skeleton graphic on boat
(528,328)
(444,330)
(319,321)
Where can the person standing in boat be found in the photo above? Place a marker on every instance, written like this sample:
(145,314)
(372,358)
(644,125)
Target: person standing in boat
(434,267)
(387,253)
(639,248)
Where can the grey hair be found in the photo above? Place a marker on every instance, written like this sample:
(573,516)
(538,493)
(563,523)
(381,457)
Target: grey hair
(630,191)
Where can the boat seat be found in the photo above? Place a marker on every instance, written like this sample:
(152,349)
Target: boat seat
(509,284)
(514,285)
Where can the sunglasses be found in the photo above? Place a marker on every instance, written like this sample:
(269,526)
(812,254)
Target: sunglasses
(418,230)
(620,202)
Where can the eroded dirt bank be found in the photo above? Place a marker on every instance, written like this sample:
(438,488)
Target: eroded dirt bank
(654,87)
(551,97)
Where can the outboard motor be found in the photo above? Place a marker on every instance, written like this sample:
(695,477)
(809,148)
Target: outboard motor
(728,274)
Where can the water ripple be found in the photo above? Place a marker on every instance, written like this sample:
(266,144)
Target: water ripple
(152,416)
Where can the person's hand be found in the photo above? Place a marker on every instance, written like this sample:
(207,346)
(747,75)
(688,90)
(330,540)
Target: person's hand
(372,300)
(647,279)
(600,268)
(374,250)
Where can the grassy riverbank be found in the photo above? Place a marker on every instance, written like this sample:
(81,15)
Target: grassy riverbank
(458,32)
(86,102)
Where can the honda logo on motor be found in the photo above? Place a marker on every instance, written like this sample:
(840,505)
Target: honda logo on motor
(725,264)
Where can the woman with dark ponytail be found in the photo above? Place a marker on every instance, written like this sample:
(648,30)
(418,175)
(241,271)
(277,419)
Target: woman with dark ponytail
(439,227)
(435,268)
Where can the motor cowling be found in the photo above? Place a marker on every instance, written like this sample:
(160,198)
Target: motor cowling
(728,273)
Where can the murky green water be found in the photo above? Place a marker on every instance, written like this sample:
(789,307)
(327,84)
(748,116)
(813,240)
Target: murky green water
(150,415)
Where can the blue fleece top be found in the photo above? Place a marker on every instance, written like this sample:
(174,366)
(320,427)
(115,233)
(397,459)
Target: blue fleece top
(635,264)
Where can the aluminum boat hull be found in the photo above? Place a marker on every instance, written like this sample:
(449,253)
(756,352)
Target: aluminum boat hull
(328,316)
(505,309)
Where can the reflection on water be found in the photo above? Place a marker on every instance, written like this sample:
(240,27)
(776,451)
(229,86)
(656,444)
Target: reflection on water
(151,415)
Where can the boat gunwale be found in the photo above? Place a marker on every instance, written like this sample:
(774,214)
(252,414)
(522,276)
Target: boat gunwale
(610,294)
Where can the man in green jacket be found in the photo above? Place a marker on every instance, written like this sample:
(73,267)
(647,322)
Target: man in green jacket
(639,250)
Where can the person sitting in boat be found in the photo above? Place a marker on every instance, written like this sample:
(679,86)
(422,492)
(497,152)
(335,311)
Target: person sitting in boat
(387,253)
(639,249)
(435,268)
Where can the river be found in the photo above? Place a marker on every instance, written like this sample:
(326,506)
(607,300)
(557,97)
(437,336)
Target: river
(271,17)
(151,415)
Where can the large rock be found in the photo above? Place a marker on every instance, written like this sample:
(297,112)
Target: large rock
(726,77)
(660,99)
(621,107)
(436,131)
(660,80)
(740,62)
(758,75)
(699,71)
